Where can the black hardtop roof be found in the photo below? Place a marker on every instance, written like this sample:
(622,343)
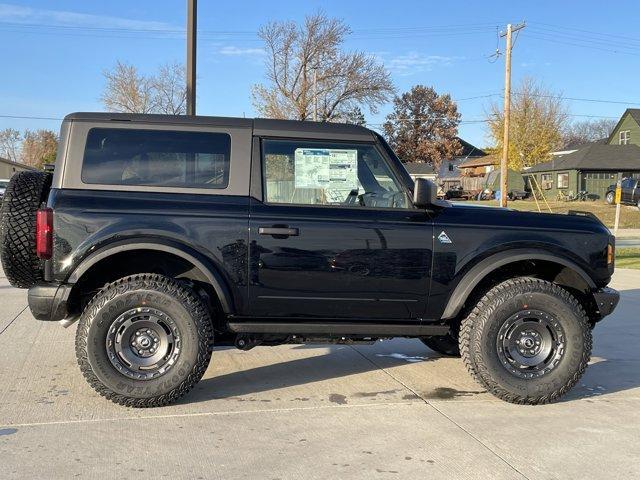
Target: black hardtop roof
(261,126)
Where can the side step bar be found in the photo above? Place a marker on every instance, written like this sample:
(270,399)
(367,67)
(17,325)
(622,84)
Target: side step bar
(369,329)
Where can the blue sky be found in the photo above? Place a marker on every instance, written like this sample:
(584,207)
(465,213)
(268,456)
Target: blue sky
(53,53)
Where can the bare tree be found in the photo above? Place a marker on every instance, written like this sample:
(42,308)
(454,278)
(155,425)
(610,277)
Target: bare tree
(305,65)
(538,118)
(169,89)
(586,131)
(39,147)
(353,116)
(10,144)
(423,126)
(127,90)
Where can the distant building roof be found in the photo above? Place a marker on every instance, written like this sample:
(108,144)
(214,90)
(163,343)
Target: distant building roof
(633,112)
(469,150)
(6,161)
(617,158)
(419,168)
(580,144)
(480,162)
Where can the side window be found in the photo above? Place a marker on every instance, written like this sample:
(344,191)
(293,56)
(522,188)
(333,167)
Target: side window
(320,173)
(563,180)
(163,158)
(624,136)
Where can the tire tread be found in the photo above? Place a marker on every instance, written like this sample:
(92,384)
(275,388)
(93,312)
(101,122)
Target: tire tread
(470,345)
(160,284)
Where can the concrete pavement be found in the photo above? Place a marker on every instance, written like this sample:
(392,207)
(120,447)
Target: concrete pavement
(391,410)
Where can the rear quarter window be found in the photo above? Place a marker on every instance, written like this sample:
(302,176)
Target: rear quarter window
(161,158)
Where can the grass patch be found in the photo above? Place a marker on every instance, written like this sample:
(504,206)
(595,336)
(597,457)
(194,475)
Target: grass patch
(628,258)
(629,215)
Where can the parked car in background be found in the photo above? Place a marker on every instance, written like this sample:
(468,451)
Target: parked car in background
(517,194)
(460,193)
(3,186)
(630,192)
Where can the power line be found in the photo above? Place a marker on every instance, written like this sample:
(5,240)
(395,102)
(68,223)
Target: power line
(588,39)
(246,35)
(624,37)
(576,99)
(26,117)
(582,45)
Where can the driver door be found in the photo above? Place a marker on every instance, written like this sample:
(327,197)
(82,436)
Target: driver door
(336,236)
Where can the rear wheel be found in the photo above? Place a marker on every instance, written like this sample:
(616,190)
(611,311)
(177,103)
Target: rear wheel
(445,345)
(143,340)
(527,341)
(22,198)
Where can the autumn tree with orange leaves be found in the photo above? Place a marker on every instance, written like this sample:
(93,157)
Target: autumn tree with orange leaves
(423,126)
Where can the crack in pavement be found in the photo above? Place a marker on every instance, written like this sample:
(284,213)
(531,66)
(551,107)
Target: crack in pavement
(13,320)
(205,414)
(426,401)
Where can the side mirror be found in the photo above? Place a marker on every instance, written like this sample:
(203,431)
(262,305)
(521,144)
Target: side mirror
(424,193)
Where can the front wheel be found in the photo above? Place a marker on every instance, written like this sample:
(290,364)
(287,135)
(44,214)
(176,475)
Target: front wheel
(143,340)
(527,341)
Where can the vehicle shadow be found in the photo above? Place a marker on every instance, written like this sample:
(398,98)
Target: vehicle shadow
(615,363)
(606,377)
(338,362)
(615,359)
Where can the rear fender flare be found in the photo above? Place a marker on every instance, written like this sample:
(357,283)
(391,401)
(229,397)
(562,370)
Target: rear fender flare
(199,261)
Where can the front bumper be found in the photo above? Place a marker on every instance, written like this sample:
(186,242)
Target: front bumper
(49,302)
(606,300)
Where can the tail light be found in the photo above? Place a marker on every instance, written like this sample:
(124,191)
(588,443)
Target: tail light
(44,233)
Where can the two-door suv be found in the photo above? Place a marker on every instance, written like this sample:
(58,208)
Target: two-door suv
(167,235)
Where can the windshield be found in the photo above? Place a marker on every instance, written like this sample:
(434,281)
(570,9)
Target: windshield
(4,183)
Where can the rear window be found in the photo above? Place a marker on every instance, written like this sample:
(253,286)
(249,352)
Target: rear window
(163,158)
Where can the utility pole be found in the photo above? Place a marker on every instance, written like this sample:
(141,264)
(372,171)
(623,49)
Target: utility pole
(504,172)
(315,93)
(192,22)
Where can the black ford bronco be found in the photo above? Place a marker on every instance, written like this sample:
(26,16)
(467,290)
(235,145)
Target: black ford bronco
(167,235)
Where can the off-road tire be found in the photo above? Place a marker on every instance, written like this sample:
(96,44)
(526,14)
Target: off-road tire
(445,345)
(479,340)
(22,198)
(151,290)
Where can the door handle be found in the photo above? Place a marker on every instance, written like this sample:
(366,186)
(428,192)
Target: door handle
(279,231)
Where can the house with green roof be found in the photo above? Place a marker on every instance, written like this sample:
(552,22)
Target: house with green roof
(591,168)
(594,166)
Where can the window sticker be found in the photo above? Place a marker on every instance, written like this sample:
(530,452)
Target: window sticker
(326,168)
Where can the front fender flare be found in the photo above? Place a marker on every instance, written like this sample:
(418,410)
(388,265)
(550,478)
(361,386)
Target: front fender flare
(199,261)
(478,272)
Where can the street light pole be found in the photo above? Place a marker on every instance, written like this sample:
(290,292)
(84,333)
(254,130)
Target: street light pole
(192,22)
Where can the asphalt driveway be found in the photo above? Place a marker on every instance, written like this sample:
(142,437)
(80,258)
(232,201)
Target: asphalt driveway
(391,410)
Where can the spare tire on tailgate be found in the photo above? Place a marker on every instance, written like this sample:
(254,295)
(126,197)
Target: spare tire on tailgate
(22,198)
